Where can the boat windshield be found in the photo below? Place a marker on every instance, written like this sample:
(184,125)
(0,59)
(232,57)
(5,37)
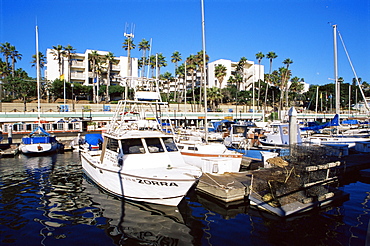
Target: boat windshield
(240,130)
(132,146)
(154,145)
(170,144)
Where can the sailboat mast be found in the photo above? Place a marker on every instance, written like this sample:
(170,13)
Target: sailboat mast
(38,74)
(337,86)
(204,75)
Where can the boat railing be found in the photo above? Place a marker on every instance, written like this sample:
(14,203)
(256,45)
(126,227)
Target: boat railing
(141,115)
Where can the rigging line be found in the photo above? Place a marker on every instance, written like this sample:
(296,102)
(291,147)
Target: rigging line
(354,72)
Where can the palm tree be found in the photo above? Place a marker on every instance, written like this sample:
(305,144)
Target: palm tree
(5,49)
(128,45)
(152,64)
(259,57)
(42,61)
(180,73)
(191,67)
(271,56)
(279,81)
(58,52)
(3,69)
(144,46)
(176,58)
(167,78)
(69,50)
(14,55)
(199,62)
(240,70)
(161,62)
(287,62)
(214,95)
(94,60)
(109,60)
(220,73)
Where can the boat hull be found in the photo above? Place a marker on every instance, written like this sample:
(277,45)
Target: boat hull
(152,187)
(39,148)
(196,159)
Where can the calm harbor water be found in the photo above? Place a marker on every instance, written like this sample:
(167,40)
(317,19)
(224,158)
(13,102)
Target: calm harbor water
(48,201)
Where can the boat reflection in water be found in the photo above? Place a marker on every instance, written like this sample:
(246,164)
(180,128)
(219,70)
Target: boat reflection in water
(137,223)
(47,200)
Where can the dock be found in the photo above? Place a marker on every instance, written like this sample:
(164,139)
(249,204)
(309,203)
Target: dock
(227,187)
(285,188)
(11,151)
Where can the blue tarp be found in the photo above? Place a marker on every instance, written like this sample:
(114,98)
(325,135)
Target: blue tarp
(93,138)
(350,122)
(333,122)
(217,124)
(36,140)
(41,129)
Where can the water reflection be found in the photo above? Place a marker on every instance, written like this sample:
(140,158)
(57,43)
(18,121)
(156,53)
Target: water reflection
(241,224)
(47,201)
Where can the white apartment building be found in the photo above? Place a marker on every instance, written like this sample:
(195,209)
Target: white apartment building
(80,70)
(252,73)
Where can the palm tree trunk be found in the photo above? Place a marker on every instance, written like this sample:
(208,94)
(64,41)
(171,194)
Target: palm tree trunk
(108,83)
(192,85)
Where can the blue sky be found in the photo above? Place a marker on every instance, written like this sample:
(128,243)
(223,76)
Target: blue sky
(297,29)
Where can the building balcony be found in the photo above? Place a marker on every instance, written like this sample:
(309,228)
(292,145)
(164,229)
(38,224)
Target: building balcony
(116,67)
(77,75)
(79,64)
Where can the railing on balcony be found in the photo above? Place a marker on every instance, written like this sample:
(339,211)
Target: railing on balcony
(78,64)
(77,75)
(116,67)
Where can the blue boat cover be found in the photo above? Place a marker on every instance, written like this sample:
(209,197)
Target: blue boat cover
(350,122)
(42,130)
(38,139)
(333,122)
(94,138)
(217,124)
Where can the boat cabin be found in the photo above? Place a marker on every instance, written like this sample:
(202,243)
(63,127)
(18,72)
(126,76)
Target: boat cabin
(141,145)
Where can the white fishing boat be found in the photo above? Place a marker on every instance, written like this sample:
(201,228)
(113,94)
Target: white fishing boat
(139,159)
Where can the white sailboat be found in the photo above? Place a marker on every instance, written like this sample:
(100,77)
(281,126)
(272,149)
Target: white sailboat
(39,142)
(211,157)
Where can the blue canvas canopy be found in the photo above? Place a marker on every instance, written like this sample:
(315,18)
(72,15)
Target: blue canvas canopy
(333,122)
(93,138)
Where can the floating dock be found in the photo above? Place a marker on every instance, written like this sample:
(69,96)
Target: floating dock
(12,151)
(290,186)
(227,187)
